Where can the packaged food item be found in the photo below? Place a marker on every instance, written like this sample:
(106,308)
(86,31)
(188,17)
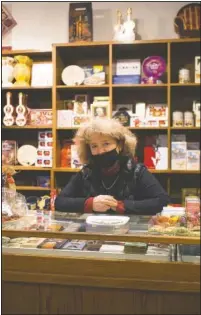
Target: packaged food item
(135,248)
(52,243)
(33,242)
(112,248)
(93,245)
(74,245)
(9,152)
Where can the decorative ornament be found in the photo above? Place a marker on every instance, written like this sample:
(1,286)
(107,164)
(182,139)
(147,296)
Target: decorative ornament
(22,70)
(187,21)
(8,22)
(7,71)
(124,31)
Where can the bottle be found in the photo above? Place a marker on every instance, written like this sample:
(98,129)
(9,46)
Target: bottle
(21,111)
(8,119)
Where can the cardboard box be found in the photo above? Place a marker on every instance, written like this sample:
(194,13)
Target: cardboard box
(80,22)
(9,152)
(179,153)
(193,160)
(128,67)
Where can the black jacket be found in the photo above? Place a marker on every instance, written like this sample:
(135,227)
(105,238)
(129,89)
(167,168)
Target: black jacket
(143,195)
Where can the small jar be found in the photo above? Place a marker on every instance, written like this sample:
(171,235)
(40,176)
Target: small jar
(184,76)
(188,119)
(178,119)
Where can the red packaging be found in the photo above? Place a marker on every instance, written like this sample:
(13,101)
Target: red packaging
(149,157)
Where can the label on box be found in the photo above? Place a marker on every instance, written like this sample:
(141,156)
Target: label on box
(128,67)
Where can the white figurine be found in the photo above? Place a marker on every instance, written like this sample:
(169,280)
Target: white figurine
(118,29)
(129,25)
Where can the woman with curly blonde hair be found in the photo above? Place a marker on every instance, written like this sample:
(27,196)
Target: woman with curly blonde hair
(110,181)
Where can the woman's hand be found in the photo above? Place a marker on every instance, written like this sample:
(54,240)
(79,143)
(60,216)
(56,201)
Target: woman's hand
(102,203)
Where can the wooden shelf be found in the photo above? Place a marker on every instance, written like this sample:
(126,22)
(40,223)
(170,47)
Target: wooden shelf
(36,188)
(27,88)
(28,52)
(82,86)
(107,53)
(67,128)
(185,84)
(185,128)
(75,170)
(30,168)
(66,169)
(148,128)
(27,127)
(139,85)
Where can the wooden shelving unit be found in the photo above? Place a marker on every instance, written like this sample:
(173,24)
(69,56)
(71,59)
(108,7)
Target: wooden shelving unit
(176,52)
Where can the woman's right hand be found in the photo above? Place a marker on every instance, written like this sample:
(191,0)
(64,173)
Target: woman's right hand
(102,203)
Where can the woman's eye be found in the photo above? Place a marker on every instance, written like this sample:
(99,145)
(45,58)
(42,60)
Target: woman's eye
(93,146)
(106,144)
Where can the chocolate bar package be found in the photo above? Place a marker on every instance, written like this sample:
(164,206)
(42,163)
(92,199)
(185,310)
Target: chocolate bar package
(94,245)
(9,148)
(52,243)
(74,245)
(80,22)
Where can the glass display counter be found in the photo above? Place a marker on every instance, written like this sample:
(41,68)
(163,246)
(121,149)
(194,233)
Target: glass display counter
(62,268)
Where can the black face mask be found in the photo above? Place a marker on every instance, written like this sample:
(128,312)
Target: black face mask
(106,159)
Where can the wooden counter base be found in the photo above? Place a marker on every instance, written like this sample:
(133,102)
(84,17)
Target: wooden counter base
(35,284)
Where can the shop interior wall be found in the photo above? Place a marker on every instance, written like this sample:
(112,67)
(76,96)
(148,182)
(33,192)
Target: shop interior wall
(39,24)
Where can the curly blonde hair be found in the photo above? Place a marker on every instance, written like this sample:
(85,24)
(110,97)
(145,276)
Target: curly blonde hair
(104,126)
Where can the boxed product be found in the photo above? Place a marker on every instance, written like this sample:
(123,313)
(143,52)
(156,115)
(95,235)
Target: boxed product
(126,79)
(52,243)
(192,204)
(45,135)
(107,224)
(179,153)
(94,75)
(9,152)
(197,69)
(40,117)
(80,22)
(128,67)
(193,160)
(161,158)
(135,248)
(44,162)
(45,144)
(64,118)
(74,245)
(156,112)
(119,249)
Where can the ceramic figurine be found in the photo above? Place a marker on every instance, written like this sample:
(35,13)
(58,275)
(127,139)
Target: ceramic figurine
(129,26)
(118,29)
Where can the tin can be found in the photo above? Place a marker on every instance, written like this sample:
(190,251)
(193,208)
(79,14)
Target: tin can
(188,119)
(184,76)
(177,118)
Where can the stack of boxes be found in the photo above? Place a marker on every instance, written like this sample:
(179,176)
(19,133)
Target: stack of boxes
(185,155)
(44,151)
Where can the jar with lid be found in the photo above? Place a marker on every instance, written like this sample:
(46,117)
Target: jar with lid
(184,76)
(177,118)
(188,119)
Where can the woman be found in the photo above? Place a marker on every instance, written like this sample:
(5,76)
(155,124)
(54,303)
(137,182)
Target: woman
(110,181)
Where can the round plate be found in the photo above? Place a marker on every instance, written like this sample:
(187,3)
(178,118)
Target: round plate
(73,75)
(27,155)
(154,66)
